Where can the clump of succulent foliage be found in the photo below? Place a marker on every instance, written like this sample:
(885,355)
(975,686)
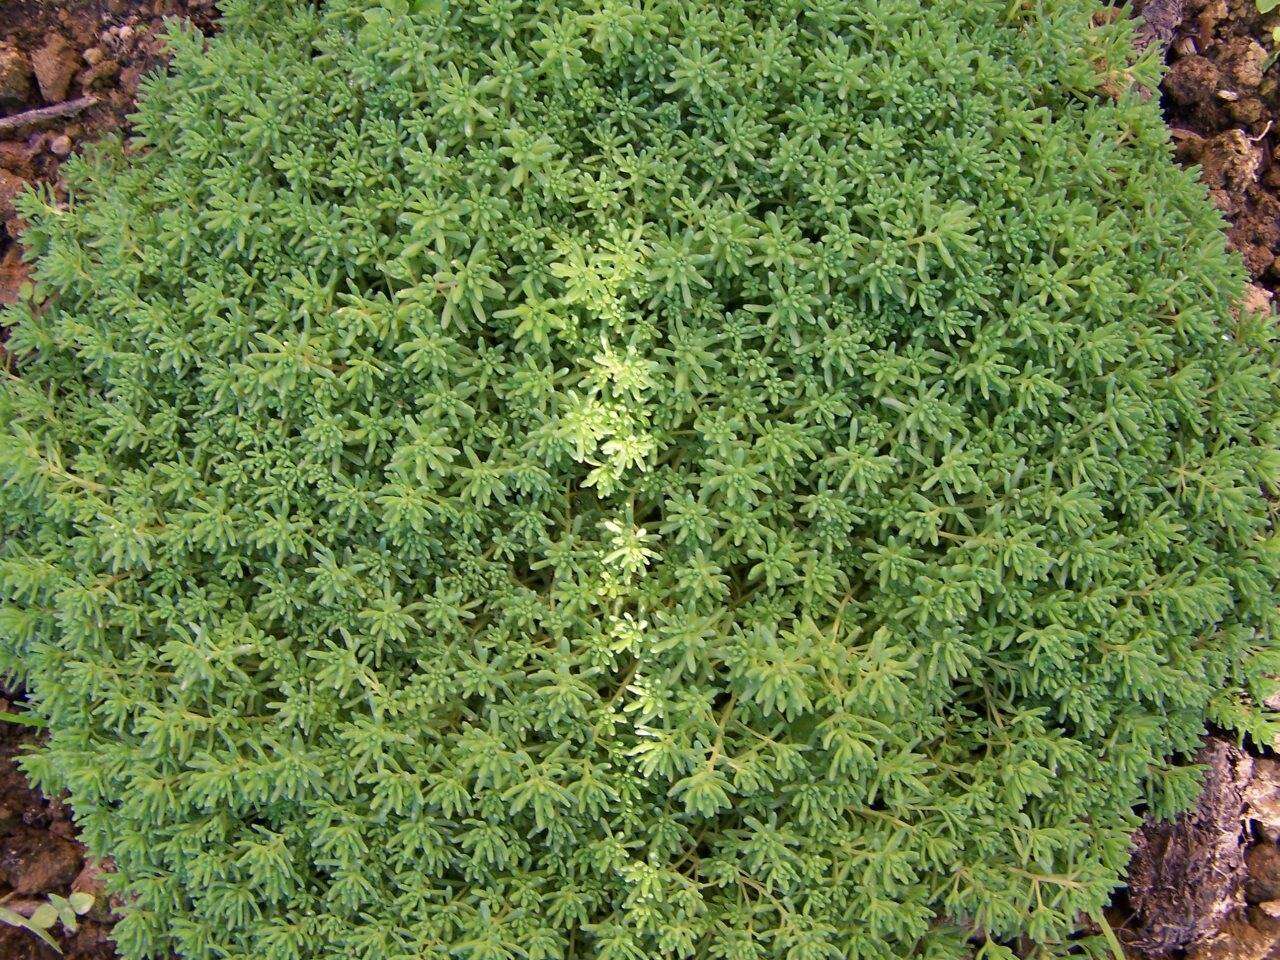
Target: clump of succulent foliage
(623,479)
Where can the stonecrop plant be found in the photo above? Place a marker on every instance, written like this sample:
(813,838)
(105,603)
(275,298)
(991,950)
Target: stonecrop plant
(635,479)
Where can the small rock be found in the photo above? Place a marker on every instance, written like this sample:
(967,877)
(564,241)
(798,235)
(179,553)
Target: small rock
(1256,300)
(55,64)
(60,146)
(15,76)
(36,862)
(1263,866)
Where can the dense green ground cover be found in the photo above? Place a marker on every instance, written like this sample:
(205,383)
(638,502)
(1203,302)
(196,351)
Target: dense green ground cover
(627,479)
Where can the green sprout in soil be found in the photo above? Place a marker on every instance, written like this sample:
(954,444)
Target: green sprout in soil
(55,910)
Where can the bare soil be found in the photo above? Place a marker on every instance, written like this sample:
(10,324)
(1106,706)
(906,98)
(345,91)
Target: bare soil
(39,855)
(1222,99)
(79,61)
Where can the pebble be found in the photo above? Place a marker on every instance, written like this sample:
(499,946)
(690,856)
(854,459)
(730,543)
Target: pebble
(1256,300)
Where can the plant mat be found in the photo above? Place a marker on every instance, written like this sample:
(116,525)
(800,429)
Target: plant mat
(1206,887)
(68,73)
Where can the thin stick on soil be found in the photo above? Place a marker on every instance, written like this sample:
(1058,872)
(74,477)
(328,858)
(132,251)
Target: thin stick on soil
(30,118)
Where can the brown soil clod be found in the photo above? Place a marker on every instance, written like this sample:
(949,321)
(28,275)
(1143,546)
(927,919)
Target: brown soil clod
(15,76)
(1250,936)
(1221,94)
(1192,80)
(55,63)
(1262,865)
(38,861)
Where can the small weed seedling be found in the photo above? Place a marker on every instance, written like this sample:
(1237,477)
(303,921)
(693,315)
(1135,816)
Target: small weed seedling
(64,910)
